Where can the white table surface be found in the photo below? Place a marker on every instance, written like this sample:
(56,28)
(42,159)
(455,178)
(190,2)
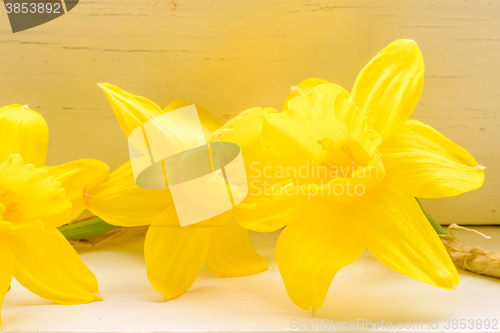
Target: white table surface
(364,290)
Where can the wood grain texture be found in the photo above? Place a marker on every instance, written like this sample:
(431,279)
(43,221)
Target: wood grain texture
(229,56)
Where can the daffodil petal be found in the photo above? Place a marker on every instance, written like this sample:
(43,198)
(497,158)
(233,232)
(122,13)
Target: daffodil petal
(131,111)
(399,236)
(119,201)
(24,132)
(272,210)
(174,254)
(428,164)
(231,252)
(30,194)
(6,270)
(245,131)
(74,177)
(305,88)
(46,264)
(208,122)
(389,87)
(314,247)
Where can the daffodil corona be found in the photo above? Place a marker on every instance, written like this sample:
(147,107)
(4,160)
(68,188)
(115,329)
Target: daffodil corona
(35,201)
(364,162)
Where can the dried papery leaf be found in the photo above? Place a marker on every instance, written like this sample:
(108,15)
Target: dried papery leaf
(456,226)
(469,258)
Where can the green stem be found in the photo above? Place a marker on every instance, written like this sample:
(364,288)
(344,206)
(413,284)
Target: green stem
(86,229)
(96,226)
(439,229)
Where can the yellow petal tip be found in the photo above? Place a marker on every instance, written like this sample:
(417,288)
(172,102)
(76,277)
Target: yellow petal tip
(103,85)
(98,297)
(480,167)
(172,298)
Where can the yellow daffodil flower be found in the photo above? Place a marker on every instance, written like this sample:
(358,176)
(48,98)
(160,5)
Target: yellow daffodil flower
(360,164)
(174,255)
(33,204)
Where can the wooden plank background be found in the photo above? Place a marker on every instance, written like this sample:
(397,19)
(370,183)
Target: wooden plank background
(231,55)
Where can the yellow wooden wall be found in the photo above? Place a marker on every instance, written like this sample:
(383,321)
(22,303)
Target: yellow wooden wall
(229,55)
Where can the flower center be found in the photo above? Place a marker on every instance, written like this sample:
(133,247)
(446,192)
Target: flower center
(344,158)
(354,174)
(7,201)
